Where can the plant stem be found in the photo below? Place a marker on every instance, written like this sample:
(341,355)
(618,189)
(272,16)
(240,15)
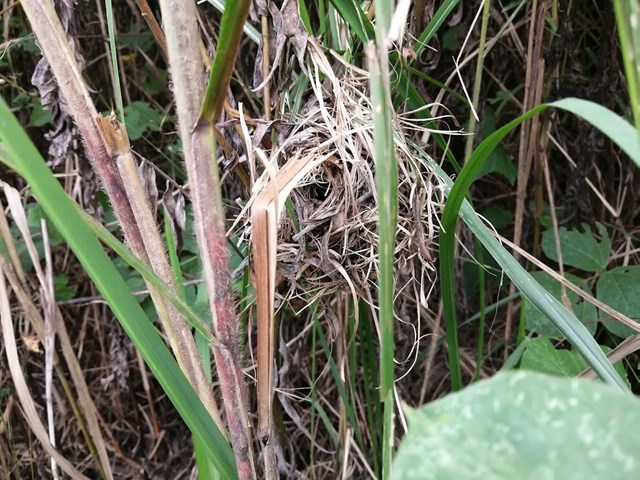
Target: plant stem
(201,161)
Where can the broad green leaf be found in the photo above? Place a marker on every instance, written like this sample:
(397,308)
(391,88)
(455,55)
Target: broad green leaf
(499,160)
(62,289)
(541,356)
(39,116)
(620,289)
(584,311)
(579,249)
(497,216)
(141,117)
(525,426)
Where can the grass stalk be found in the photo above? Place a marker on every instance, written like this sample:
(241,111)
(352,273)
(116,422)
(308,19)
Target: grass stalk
(387,188)
(22,156)
(196,131)
(477,82)
(115,70)
(175,325)
(47,28)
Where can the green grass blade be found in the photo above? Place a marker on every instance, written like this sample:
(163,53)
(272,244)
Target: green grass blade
(387,191)
(370,374)
(346,399)
(252,32)
(353,15)
(66,218)
(627,14)
(115,73)
(205,467)
(233,20)
(434,24)
(611,125)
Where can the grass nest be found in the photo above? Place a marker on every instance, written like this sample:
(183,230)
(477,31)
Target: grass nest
(327,254)
(327,239)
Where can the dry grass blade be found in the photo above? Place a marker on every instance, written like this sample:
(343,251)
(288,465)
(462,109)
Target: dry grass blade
(26,400)
(265,213)
(49,305)
(87,414)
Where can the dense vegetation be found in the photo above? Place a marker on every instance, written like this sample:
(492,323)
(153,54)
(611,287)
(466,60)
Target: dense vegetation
(281,243)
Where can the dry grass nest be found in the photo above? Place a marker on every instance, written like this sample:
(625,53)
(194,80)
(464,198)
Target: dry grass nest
(328,236)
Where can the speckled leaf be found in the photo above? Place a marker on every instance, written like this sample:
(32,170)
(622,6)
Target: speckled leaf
(527,426)
(584,311)
(620,289)
(579,249)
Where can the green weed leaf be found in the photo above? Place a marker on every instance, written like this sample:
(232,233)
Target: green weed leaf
(584,311)
(541,356)
(620,289)
(579,249)
(527,426)
(141,117)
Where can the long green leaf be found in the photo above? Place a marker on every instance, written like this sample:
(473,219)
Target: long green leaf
(387,190)
(627,13)
(611,125)
(358,22)
(233,20)
(26,160)
(434,24)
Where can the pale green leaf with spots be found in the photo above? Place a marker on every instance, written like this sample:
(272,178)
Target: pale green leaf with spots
(527,426)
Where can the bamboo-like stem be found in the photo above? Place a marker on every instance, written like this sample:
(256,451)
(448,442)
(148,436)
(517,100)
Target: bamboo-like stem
(52,41)
(201,162)
(212,242)
(48,30)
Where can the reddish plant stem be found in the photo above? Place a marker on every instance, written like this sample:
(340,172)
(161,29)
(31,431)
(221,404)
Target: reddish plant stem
(201,161)
(212,242)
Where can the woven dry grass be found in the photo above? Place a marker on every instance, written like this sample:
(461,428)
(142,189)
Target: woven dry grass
(326,251)
(327,242)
